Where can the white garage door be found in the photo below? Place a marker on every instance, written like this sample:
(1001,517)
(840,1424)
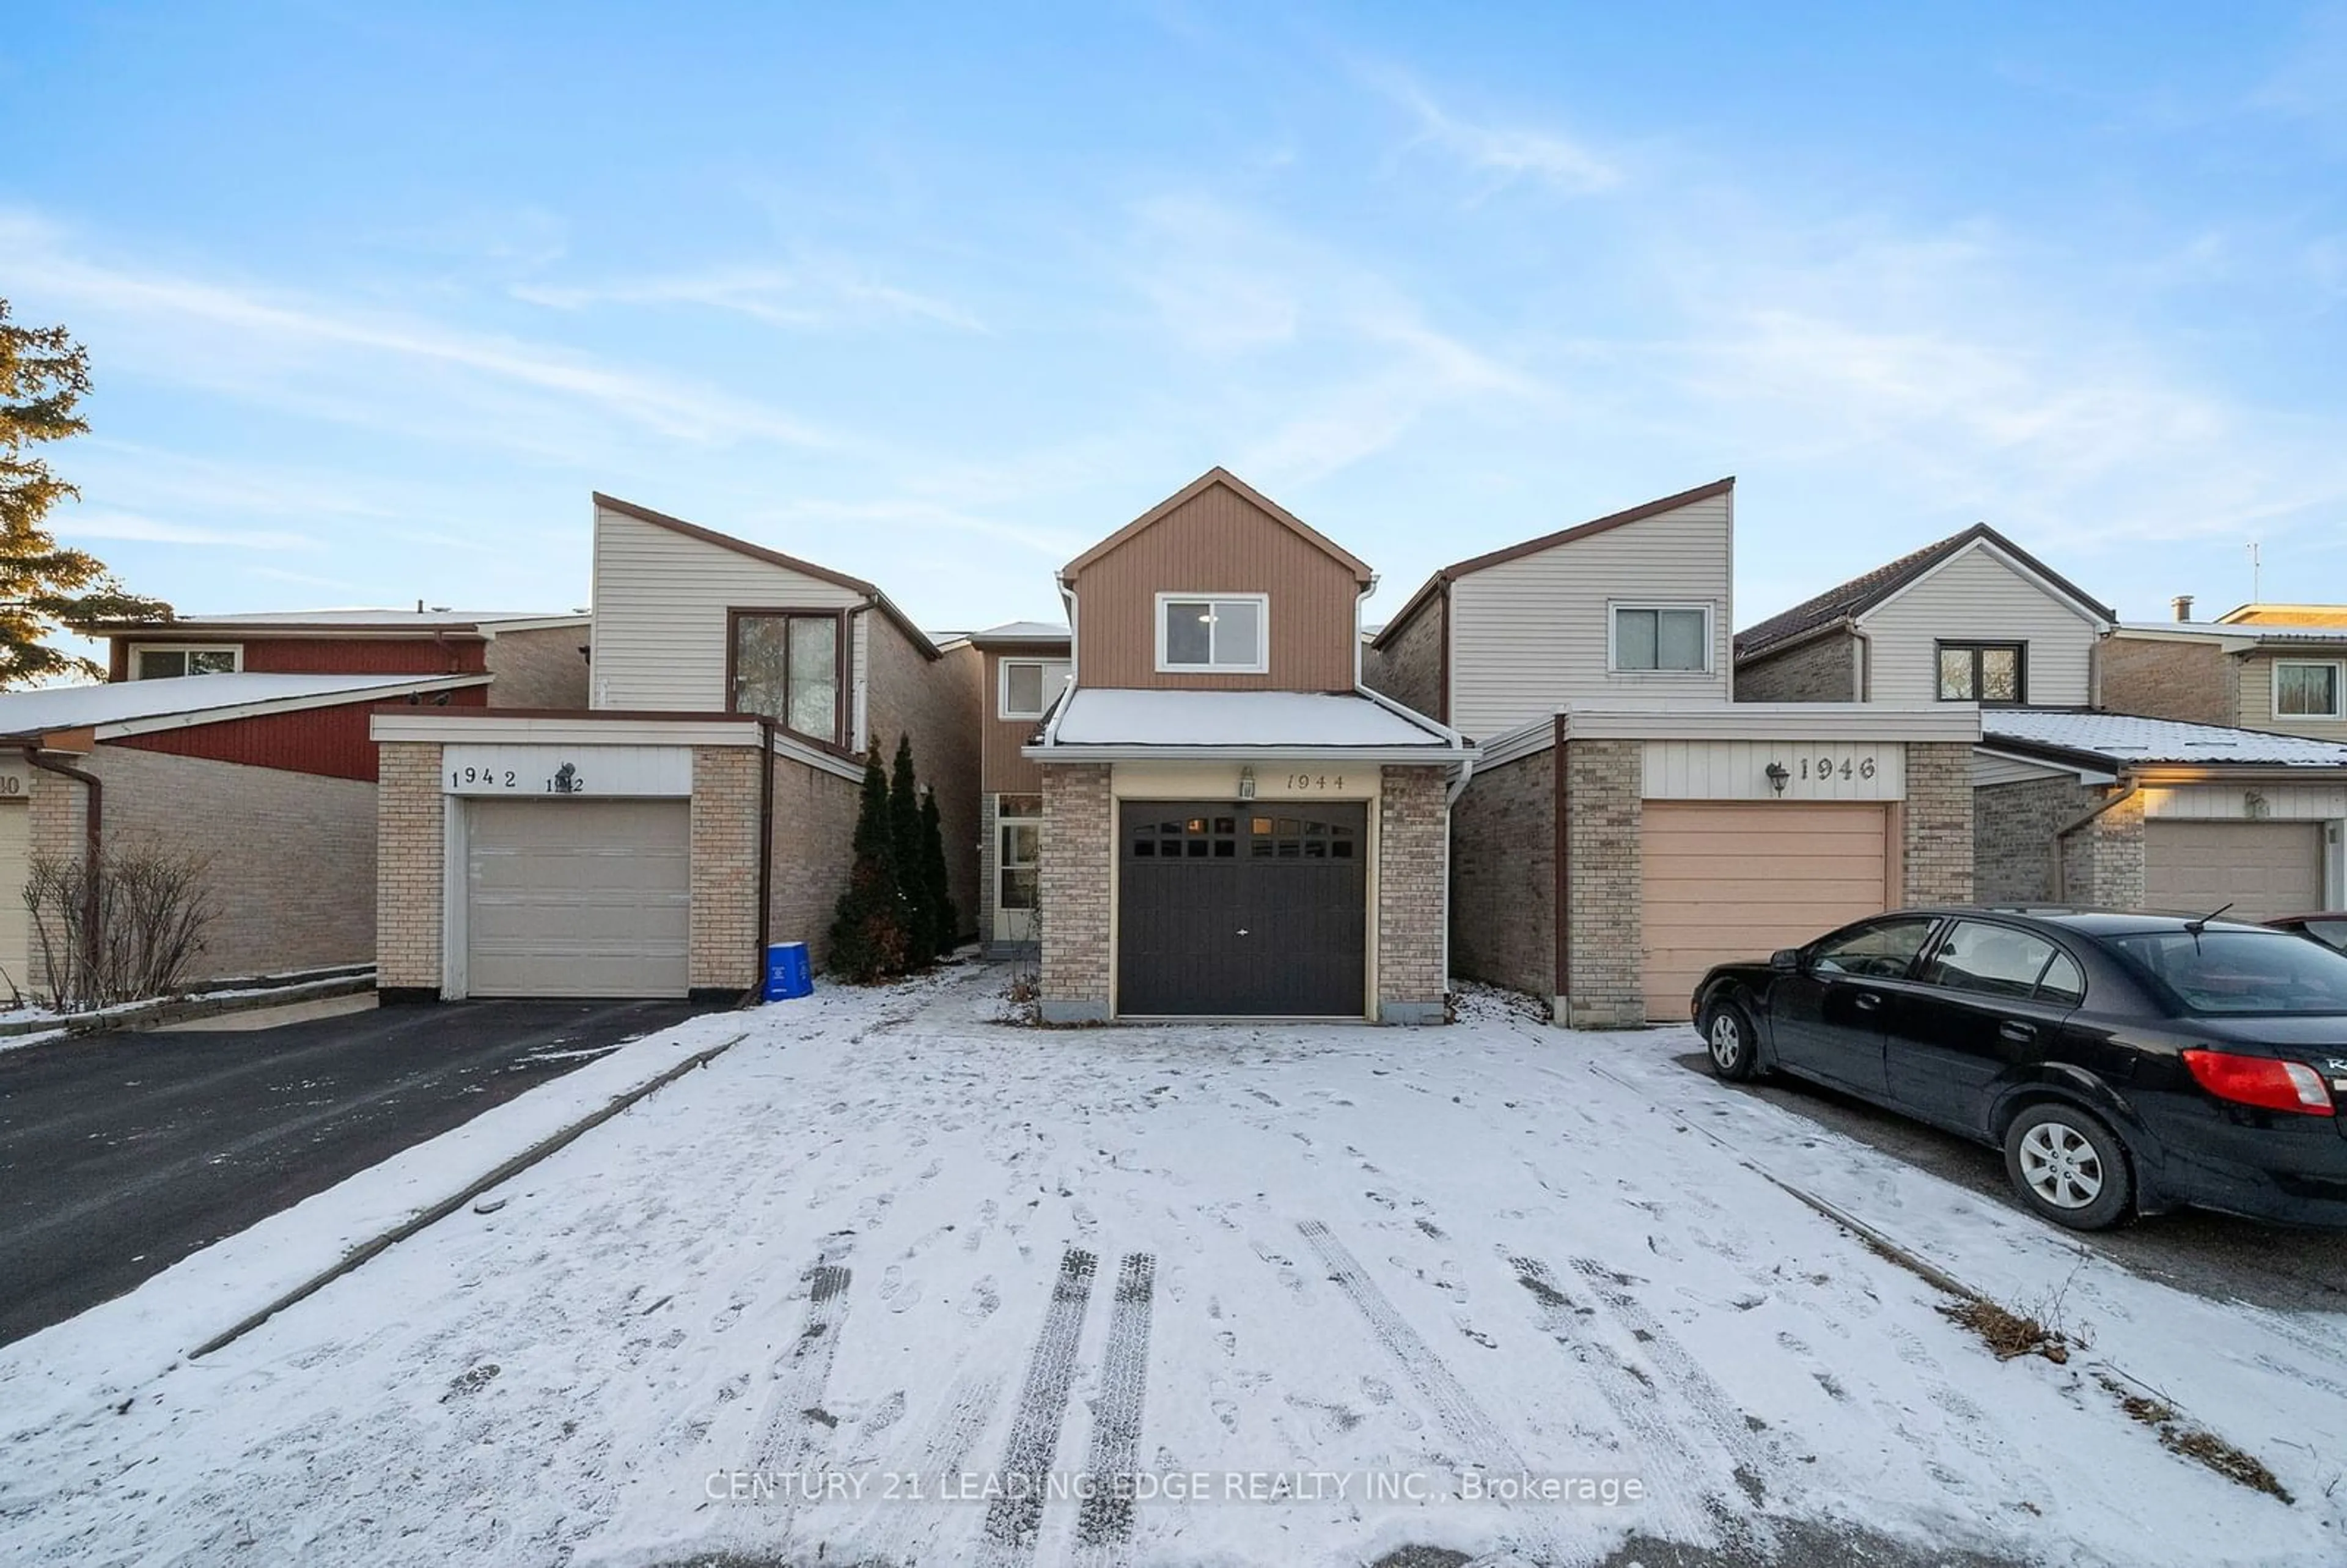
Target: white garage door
(1739,879)
(578,899)
(2260,868)
(16,924)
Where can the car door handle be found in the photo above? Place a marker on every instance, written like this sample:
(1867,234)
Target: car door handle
(1243,930)
(1866,1001)
(2019,1032)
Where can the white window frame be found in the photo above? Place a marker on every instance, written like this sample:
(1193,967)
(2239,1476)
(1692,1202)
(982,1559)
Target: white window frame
(1614,608)
(1002,686)
(1262,665)
(140,649)
(2338,688)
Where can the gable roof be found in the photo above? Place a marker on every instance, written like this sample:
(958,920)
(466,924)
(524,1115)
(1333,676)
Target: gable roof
(1245,492)
(878,600)
(2072,733)
(1847,601)
(1612,521)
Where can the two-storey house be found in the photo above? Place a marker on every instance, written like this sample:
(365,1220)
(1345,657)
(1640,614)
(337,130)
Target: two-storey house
(1025,673)
(697,807)
(1630,823)
(2121,766)
(1232,826)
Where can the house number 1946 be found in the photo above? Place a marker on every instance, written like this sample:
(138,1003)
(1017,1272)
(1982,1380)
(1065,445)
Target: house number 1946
(1831,768)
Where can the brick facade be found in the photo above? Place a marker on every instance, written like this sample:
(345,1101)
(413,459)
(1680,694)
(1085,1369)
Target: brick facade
(2102,862)
(541,669)
(1938,815)
(2196,682)
(290,888)
(1075,901)
(1413,827)
(410,887)
(1503,876)
(939,703)
(1824,670)
(723,954)
(1409,668)
(1604,902)
(813,848)
(2015,854)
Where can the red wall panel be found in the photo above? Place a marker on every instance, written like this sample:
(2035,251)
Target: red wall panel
(330,742)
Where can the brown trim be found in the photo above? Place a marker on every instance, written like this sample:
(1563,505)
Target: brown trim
(843,660)
(1560,861)
(1443,578)
(1199,486)
(877,599)
(615,715)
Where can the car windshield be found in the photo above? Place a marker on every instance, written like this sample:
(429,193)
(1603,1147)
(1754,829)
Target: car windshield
(2242,971)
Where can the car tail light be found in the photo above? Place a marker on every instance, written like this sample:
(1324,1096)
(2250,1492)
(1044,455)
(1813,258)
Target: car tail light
(2260,1080)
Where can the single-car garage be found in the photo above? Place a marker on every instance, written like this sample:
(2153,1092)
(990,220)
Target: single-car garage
(1735,879)
(15,920)
(578,897)
(2260,868)
(1242,909)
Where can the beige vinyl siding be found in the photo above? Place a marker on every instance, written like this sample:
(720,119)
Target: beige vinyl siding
(1531,632)
(15,920)
(1975,596)
(660,598)
(2255,672)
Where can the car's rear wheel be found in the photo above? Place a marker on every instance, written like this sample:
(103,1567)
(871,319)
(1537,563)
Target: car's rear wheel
(1729,1041)
(2068,1166)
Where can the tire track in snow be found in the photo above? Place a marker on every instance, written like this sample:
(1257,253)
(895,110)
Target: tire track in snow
(1105,1522)
(1480,1442)
(1015,1519)
(1694,1385)
(942,1451)
(1674,1480)
(795,1409)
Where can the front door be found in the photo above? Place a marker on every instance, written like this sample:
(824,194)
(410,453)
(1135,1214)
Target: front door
(1242,909)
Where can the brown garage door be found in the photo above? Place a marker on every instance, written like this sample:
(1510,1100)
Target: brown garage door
(578,897)
(1736,879)
(2260,868)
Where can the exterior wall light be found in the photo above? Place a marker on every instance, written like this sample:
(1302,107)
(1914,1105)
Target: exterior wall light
(1247,784)
(1779,776)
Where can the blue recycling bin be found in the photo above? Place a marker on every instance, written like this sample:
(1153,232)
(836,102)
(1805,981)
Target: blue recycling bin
(788,974)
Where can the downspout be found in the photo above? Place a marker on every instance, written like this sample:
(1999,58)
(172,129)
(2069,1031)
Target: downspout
(765,843)
(1450,799)
(92,843)
(1561,891)
(2062,839)
(1367,589)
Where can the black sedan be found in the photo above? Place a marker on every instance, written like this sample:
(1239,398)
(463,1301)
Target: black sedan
(2330,928)
(2126,1063)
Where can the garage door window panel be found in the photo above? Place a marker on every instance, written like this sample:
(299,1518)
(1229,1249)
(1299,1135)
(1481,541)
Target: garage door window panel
(787,666)
(2306,690)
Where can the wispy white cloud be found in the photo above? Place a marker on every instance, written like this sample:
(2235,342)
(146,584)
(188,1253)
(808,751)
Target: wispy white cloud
(810,297)
(1501,153)
(197,328)
(75,523)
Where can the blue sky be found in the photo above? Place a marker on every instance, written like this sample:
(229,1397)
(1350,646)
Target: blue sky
(378,295)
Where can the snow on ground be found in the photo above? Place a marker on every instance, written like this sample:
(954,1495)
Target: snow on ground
(888,1237)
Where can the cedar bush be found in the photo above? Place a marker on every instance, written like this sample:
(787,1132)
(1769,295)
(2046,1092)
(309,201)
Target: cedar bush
(871,933)
(912,875)
(946,918)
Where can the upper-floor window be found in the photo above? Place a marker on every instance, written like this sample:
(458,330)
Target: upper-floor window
(1994,673)
(787,665)
(1030,686)
(2305,690)
(156,661)
(1220,633)
(1661,637)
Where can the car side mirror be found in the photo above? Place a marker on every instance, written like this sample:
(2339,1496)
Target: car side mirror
(1786,960)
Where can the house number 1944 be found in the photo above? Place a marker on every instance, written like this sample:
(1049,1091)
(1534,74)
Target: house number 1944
(1316,781)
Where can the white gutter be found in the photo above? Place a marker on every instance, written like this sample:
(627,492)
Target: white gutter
(1067,693)
(261,707)
(1049,751)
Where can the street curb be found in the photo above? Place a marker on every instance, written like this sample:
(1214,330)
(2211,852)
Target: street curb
(504,1170)
(261,991)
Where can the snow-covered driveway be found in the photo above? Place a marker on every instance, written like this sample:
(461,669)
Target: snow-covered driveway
(890,1241)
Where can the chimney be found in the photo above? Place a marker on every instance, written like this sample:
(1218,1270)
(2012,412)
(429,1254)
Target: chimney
(2183,607)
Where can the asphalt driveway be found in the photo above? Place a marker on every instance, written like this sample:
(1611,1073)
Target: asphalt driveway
(120,1155)
(2282,1267)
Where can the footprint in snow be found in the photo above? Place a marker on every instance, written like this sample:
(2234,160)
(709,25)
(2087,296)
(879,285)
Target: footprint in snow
(933,1170)
(983,1300)
(896,1291)
(885,1414)
(1225,1412)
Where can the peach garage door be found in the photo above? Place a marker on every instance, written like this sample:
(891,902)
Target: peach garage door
(578,897)
(15,920)
(1739,879)
(2260,868)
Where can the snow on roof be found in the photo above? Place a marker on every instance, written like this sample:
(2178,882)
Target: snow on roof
(1021,631)
(369,618)
(47,708)
(1291,720)
(2244,631)
(2126,738)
